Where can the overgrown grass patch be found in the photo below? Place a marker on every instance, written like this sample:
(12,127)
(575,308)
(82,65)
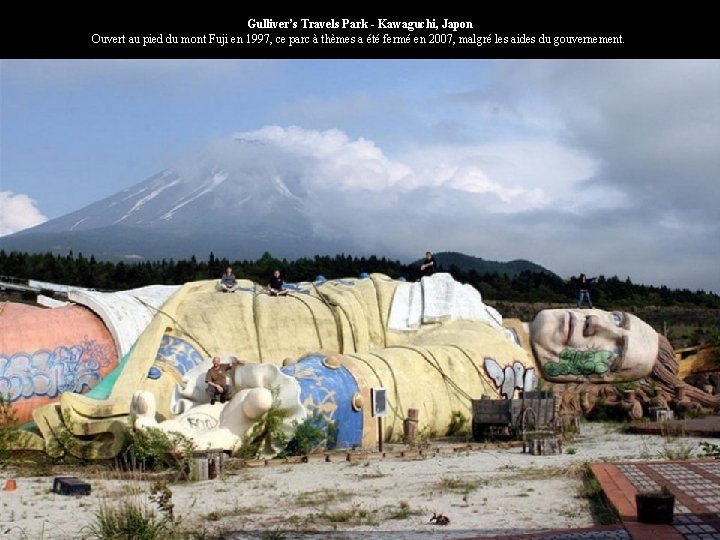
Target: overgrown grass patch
(370,475)
(217,515)
(320,497)
(602,511)
(355,515)
(402,511)
(129,519)
(546,473)
(462,485)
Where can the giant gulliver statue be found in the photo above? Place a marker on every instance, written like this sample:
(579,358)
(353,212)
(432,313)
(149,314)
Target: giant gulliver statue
(433,345)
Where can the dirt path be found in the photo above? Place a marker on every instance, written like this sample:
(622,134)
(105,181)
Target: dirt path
(485,492)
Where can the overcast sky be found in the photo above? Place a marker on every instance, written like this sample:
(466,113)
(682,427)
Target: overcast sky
(603,167)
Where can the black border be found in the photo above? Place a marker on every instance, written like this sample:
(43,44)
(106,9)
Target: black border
(644,35)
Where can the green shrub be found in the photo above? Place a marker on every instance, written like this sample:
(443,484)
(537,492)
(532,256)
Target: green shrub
(152,449)
(710,450)
(603,412)
(266,434)
(129,519)
(603,512)
(458,423)
(8,427)
(313,433)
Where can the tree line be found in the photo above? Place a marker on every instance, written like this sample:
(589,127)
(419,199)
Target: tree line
(526,286)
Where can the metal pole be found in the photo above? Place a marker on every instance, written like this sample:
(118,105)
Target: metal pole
(380,434)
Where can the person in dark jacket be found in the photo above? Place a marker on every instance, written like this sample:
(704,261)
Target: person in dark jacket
(277,286)
(584,284)
(429,266)
(216,382)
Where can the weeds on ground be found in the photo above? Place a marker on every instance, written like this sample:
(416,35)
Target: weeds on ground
(465,486)
(710,450)
(672,430)
(8,427)
(673,448)
(602,511)
(266,435)
(376,473)
(678,451)
(128,519)
(217,515)
(402,511)
(63,443)
(153,450)
(458,424)
(161,495)
(313,433)
(141,518)
(320,497)
(544,473)
(356,515)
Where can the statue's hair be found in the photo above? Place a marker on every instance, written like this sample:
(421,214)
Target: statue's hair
(666,367)
(665,372)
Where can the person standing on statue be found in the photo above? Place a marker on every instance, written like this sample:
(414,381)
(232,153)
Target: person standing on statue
(584,283)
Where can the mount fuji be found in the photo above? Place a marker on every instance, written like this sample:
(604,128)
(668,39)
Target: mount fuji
(238,199)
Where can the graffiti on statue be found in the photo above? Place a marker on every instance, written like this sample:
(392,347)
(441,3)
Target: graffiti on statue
(511,377)
(200,421)
(178,354)
(67,368)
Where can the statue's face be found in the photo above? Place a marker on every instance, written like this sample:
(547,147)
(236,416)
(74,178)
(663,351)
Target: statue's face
(573,345)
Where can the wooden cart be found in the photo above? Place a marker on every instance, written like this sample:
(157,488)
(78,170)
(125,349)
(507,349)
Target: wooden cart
(513,418)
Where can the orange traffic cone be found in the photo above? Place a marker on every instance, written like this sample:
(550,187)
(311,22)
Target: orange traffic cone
(10,485)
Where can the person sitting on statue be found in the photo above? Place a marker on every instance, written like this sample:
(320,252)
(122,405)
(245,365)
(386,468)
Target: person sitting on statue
(569,346)
(217,382)
(277,286)
(429,266)
(228,282)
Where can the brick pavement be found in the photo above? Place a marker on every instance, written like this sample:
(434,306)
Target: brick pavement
(695,483)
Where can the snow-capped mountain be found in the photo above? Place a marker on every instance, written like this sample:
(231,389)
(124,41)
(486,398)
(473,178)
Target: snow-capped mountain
(239,201)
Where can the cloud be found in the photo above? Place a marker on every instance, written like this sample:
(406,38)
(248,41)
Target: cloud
(581,165)
(338,161)
(446,197)
(534,198)
(652,127)
(335,162)
(17,212)
(647,203)
(545,175)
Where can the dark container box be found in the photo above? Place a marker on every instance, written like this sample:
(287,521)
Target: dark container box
(70,485)
(655,508)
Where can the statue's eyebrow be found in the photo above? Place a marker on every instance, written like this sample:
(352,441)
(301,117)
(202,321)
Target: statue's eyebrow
(626,320)
(624,342)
